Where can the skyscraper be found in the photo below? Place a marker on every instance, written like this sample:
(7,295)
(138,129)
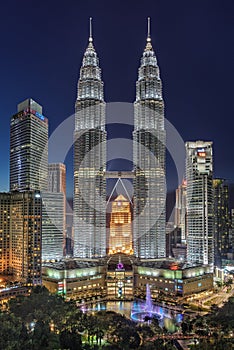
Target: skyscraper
(120,226)
(54,213)
(89,160)
(149,160)
(5,233)
(57,184)
(57,178)
(28,148)
(180,210)
(20,233)
(199,176)
(221,221)
(53,226)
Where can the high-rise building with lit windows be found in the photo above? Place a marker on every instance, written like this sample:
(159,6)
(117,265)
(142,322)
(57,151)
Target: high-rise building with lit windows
(20,230)
(221,220)
(57,178)
(149,237)
(28,148)
(89,160)
(54,240)
(180,210)
(53,226)
(200,200)
(120,240)
(5,233)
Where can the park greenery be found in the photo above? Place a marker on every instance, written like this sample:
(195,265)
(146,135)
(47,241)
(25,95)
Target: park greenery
(46,321)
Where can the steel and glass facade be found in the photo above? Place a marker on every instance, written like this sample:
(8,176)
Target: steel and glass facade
(28,148)
(180,210)
(199,176)
(89,160)
(221,220)
(53,226)
(54,213)
(149,217)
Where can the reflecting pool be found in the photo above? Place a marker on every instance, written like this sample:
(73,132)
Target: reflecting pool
(135,310)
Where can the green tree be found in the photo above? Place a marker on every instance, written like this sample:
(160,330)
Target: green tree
(70,340)
(10,331)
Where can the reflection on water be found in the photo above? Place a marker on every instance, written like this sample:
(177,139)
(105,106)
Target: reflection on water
(168,318)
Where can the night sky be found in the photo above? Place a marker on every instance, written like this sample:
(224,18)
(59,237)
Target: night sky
(42,44)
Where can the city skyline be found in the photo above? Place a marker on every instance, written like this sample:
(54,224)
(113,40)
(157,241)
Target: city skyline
(194,97)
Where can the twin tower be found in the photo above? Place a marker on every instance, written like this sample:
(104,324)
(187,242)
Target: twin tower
(149,196)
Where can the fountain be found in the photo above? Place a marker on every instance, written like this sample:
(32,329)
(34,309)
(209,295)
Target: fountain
(142,312)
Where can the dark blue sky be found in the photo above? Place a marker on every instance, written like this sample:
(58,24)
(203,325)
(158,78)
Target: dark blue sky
(42,44)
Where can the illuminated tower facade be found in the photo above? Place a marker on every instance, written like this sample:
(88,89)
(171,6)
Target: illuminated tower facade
(20,235)
(28,148)
(221,220)
(120,240)
(149,160)
(200,210)
(89,160)
(180,210)
(54,218)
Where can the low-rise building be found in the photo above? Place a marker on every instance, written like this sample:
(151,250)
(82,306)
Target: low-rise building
(123,277)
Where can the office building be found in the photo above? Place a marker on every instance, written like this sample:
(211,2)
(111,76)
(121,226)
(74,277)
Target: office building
(89,160)
(5,233)
(20,230)
(180,210)
(149,219)
(28,148)
(54,214)
(53,226)
(57,178)
(199,176)
(221,220)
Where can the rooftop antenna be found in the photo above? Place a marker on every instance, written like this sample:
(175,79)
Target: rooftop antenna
(90,30)
(148,35)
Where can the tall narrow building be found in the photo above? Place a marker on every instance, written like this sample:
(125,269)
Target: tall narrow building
(20,236)
(5,233)
(57,185)
(54,214)
(199,176)
(57,178)
(89,160)
(180,210)
(28,148)
(221,221)
(149,237)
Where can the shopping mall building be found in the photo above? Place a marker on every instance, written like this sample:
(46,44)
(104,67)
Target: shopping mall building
(121,276)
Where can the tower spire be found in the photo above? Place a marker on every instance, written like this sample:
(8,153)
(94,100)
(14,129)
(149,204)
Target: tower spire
(90,30)
(148,35)
(148,40)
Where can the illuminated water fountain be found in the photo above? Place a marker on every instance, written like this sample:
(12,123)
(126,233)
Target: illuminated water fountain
(144,311)
(139,311)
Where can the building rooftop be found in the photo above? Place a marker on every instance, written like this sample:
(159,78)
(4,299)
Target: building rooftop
(171,264)
(70,264)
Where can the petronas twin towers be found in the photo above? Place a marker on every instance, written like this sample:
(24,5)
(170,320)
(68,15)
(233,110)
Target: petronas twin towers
(148,159)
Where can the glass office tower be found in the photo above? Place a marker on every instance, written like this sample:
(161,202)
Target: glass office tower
(149,160)
(199,176)
(28,148)
(89,160)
